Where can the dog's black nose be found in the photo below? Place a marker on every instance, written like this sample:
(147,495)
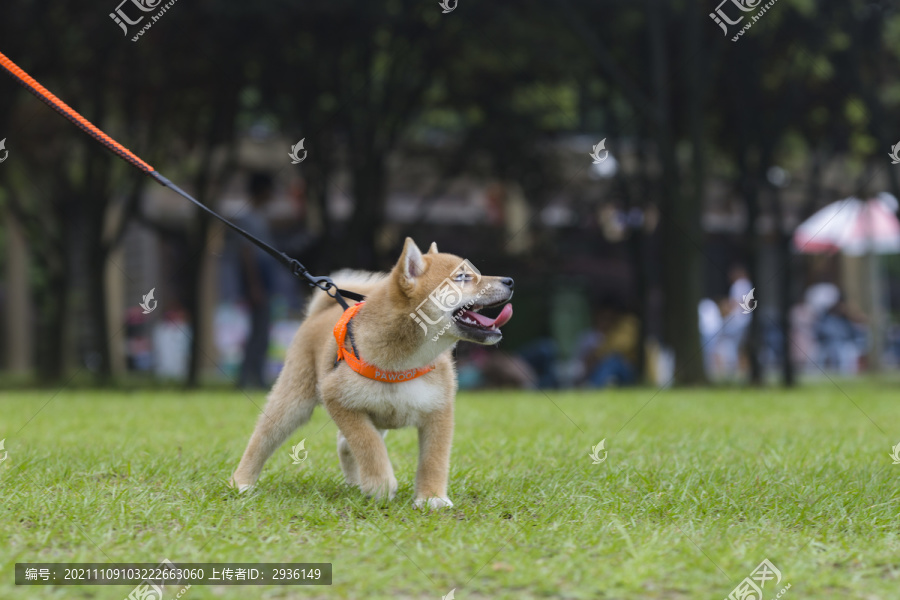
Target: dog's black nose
(508,282)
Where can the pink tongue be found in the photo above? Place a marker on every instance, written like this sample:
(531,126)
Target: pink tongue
(501,320)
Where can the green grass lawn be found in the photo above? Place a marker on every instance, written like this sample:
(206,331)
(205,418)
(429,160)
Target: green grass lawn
(698,488)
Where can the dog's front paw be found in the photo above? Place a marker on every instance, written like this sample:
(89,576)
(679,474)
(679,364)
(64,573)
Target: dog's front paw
(240,487)
(433,503)
(379,487)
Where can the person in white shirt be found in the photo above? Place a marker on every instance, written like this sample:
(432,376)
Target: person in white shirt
(736,324)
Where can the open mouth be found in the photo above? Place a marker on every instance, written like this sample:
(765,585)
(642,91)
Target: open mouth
(472,319)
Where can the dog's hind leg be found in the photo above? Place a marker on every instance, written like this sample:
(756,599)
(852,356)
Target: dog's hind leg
(290,405)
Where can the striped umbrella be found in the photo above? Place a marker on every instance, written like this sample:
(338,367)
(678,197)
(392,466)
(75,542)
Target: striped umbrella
(858,228)
(852,226)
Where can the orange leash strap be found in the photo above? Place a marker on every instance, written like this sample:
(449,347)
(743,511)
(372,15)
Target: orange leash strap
(323,283)
(71,114)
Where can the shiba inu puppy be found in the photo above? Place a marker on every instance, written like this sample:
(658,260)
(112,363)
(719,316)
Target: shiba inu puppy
(383,364)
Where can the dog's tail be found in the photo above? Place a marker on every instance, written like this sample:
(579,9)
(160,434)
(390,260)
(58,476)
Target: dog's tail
(362,282)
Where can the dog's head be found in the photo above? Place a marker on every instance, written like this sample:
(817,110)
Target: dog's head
(445,293)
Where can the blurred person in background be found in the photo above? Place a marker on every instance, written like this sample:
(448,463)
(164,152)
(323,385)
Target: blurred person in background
(609,352)
(709,317)
(736,323)
(256,279)
(541,356)
(842,337)
(804,346)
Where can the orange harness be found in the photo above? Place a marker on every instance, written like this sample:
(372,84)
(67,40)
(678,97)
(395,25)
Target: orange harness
(359,365)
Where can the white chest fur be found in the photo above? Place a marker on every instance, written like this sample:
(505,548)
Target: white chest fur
(395,405)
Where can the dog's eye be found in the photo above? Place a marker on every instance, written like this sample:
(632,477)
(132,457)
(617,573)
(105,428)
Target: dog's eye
(463,277)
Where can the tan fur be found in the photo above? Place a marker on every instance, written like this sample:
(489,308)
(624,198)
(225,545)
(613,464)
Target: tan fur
(363,409)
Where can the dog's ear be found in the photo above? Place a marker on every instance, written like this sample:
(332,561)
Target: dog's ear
(412,263)
(433,249)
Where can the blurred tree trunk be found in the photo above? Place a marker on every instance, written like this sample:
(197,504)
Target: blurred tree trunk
(52,326)
(52,294)
(18,350)
(95,201)
(680,223)
(748,171)
(750,189)
(46,225)
(753,154)
(784,241)
(194,275)
(208,182)
(785,257)
(646,260)
(695,98)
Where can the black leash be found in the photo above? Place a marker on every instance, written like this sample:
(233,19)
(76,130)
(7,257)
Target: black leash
(323,283)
